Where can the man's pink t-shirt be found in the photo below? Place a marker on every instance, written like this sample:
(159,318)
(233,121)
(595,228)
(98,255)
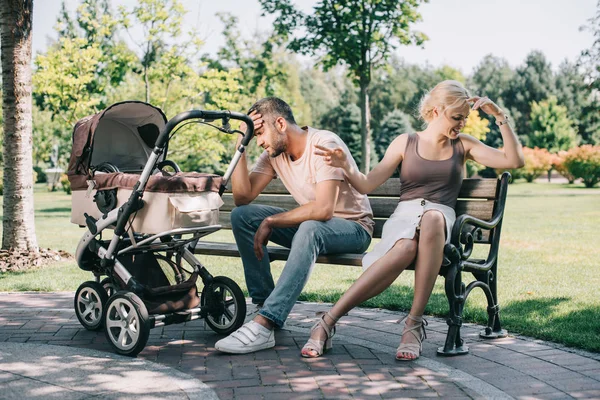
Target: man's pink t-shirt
(300,177)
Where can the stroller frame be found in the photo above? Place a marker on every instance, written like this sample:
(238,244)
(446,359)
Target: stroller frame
(97,302)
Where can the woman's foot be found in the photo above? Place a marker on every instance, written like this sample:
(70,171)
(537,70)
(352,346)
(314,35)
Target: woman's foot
(320,337)
(411,343)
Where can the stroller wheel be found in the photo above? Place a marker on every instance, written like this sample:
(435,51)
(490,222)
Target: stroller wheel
(109,286)
(90,302)
(126,325)
(225,304)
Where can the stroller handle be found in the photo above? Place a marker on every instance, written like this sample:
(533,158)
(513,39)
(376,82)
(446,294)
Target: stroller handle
(212,115)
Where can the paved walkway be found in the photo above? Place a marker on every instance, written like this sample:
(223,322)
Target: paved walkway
(45,353)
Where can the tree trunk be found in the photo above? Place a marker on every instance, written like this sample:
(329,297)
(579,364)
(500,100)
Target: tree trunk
(18,228)
(365,128)
(147,84)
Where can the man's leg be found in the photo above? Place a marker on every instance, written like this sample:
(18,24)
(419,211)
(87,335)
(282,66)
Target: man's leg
(245,221)
(312,238)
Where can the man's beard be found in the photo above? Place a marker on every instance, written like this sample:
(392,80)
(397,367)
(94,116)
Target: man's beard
(278,147)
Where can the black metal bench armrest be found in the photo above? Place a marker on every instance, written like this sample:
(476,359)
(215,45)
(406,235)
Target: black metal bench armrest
(463,238)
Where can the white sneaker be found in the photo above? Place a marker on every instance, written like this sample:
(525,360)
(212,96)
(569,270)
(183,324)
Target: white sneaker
(251,337)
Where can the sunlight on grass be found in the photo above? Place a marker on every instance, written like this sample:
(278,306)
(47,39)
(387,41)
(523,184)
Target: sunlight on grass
(548,265)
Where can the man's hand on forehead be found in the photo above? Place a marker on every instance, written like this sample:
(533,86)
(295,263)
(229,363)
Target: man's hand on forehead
(258,122)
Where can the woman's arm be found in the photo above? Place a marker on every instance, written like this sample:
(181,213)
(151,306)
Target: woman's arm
(511,156)
(366,183)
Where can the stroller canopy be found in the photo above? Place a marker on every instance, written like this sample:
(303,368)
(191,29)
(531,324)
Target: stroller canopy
(123,135)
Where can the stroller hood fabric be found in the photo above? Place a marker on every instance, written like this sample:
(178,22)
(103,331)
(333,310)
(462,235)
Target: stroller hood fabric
(123,135)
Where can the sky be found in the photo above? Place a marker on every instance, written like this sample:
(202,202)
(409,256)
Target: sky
(461,32)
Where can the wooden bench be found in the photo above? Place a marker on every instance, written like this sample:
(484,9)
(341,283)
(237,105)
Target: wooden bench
(479,212)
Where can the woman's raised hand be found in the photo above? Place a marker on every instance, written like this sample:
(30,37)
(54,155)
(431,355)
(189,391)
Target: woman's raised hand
(486,105)
(335,157)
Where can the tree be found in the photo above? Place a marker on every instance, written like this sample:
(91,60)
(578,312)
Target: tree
(533,82)
(358,33)
(18,228)
(590,58)
(393,125)
(551,127)
(345,121)
(165,53)
(578,97)
(77,75)
(492,78)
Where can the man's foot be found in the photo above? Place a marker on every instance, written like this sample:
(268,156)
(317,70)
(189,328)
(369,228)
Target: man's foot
(251,337)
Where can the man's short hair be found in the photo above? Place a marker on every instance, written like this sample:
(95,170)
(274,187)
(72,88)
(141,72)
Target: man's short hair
(273,107)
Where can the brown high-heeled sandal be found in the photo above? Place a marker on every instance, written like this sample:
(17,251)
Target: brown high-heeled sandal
(418,332)
(320,346)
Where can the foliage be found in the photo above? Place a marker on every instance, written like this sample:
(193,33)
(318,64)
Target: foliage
(360,34)
(40,175)
(322,92)
(492,78)
(76,75)
(65,184)
(1,182)
(590,58)
(96,23)
(393,125)
(578,97)
(532,82)
(344,120)
(165,53)
(558,164)
(584,162)
(261,59)
(476,126)
(537,162)
(551,127)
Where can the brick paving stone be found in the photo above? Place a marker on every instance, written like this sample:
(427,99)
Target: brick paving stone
(353,369)
(586,394)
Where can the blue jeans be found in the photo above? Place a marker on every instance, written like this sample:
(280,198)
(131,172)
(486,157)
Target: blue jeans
(305,242)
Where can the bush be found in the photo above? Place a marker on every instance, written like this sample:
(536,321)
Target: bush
(537,163)
(558,163)
(65,184)
(41,175)
(474,168)
(584,162)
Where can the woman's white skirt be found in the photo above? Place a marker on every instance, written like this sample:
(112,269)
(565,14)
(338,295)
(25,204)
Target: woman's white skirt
(403,224)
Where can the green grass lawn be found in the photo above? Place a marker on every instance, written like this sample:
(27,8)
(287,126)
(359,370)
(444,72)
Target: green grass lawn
(549,265)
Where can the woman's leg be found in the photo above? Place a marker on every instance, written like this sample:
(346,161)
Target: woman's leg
(373,281)
(432,238)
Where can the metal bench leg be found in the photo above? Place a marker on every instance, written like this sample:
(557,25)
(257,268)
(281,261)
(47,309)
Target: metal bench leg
(455,290)
(493,330)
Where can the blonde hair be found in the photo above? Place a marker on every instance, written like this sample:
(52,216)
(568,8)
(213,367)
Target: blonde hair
(446,95)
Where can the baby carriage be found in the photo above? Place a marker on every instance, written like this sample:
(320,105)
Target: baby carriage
(151,220)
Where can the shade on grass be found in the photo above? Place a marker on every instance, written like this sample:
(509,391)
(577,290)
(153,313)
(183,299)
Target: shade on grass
(548,277)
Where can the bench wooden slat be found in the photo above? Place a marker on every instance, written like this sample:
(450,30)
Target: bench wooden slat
(275,253)
(471,188)
(382,207)
(225,221)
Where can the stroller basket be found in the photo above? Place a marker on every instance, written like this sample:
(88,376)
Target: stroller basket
(182,200)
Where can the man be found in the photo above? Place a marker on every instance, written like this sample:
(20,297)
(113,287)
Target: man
(332,218)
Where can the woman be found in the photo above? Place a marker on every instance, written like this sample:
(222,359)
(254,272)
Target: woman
(431,166)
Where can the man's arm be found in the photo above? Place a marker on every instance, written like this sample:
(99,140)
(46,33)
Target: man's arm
(244,186)
(321,209)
